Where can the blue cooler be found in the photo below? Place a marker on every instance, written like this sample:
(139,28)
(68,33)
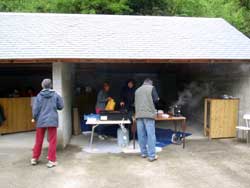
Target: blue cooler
(84,126)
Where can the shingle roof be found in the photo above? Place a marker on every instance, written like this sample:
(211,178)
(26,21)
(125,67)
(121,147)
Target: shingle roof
(26,35)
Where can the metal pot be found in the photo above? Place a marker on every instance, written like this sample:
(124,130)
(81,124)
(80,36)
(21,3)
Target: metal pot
(175,110)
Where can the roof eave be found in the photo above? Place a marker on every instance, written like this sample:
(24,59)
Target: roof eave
(116,60)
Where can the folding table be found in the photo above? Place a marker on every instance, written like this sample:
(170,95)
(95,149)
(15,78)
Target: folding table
(96,123)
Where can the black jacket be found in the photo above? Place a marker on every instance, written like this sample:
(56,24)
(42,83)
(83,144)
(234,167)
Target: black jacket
(128,97)
(2,117)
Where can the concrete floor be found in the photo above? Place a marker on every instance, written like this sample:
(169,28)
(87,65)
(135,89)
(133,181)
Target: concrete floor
(216,163)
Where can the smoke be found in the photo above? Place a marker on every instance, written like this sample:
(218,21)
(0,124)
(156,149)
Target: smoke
(194,93)
(245,68)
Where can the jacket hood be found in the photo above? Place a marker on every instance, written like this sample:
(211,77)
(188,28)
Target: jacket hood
(47,93)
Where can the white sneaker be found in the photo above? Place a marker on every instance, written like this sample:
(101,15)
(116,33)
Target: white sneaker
(153,159)
(101,137)
(33,161)
(144,156)
(51,164)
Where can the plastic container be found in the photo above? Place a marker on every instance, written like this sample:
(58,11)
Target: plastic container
(122,137)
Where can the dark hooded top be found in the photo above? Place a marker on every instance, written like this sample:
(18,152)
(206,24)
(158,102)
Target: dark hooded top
(45,108)
(128,97)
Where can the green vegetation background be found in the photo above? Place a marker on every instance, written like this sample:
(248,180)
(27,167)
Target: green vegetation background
(237,12)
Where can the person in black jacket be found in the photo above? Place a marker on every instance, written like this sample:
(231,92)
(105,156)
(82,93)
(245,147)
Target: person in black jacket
(128,100)
(128,96)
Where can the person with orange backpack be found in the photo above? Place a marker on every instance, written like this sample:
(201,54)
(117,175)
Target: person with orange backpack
(103,97)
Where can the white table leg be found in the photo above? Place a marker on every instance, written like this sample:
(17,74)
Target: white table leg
(92,136)
(248,138)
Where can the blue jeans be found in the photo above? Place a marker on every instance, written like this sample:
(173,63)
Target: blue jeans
(146,136)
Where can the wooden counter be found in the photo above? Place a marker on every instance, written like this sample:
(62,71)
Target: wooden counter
(18,114)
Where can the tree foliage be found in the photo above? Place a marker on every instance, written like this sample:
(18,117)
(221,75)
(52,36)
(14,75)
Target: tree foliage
(237,12)
(148,7)
(105,7)
(66,6)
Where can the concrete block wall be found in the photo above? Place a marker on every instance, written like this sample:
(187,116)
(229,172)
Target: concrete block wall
(63,81)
